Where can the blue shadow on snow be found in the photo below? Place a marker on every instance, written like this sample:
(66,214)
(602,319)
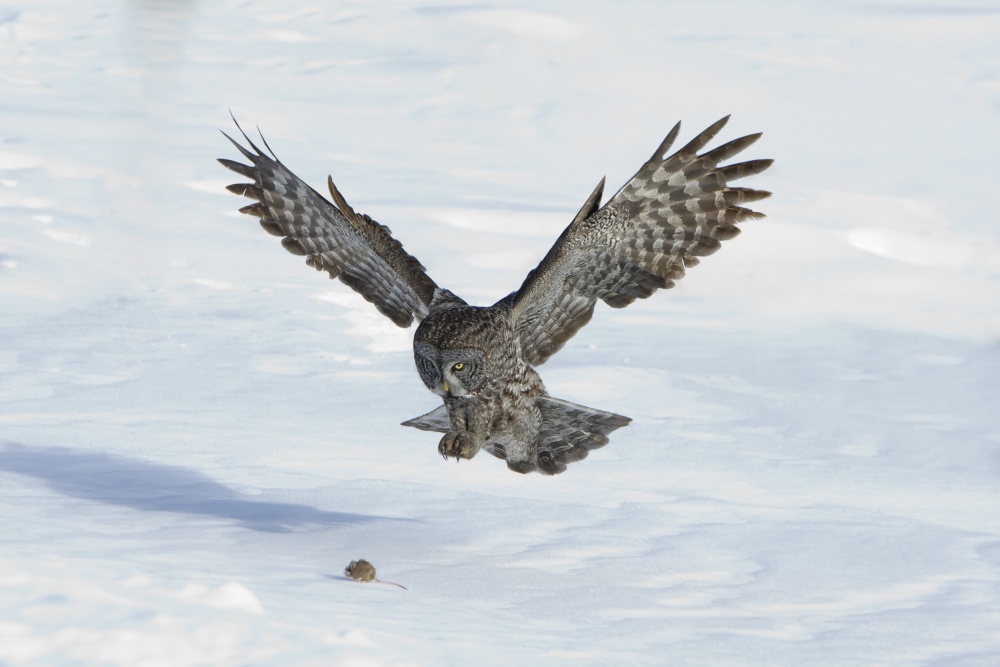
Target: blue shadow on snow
(155,487)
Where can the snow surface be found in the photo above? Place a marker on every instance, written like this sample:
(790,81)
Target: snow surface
(198,433)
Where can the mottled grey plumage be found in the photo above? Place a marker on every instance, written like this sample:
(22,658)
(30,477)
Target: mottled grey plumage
(479,359)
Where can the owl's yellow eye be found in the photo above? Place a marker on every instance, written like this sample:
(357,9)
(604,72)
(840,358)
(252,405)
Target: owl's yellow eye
(457,367)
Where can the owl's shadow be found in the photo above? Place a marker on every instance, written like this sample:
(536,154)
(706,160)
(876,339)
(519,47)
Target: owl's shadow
(156,487)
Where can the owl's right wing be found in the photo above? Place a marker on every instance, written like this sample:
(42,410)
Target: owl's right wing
(348,245)
(673,211)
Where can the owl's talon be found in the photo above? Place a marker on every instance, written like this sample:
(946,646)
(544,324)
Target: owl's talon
(460,444)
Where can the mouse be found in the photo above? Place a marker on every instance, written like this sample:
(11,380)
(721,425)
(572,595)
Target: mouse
(363,571)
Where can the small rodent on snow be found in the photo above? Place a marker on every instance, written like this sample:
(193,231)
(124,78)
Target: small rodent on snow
(362,570)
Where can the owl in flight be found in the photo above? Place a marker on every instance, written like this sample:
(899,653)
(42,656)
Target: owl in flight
(480,359)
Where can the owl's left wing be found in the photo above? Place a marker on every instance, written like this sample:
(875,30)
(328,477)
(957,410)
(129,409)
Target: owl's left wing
(673,211)
(350,246)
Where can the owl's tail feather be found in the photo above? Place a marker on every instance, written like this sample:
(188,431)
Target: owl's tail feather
(567,434)
(435,420)
(569,431)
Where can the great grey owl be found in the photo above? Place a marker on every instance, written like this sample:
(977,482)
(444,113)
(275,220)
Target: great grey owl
(480,360)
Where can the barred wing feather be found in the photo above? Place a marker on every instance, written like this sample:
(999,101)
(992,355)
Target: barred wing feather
(350,246)
(675,210)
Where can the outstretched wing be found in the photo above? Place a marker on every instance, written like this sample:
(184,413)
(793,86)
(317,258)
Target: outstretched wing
(350,246)
(673,211)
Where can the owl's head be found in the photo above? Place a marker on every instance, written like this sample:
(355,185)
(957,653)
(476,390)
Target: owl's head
(451,372)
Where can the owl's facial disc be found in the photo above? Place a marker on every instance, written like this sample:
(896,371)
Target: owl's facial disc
(461,372)
(457,372)
(453,381)
(428,361)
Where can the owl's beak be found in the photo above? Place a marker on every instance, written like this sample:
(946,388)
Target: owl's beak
(444,385)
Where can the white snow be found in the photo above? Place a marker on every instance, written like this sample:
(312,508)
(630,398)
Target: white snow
(198,432)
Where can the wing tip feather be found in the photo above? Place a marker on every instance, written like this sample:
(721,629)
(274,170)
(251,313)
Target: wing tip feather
(667,142)
(592,204)
(293,246)
(239,188)
(732,172)
(248,140)
(341,203)
(705,136)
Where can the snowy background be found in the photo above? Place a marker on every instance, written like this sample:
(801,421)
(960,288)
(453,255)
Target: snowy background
(198,432)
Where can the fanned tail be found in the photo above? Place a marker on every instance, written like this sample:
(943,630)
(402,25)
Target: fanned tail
(436,420)
(569,431)
(567,434)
